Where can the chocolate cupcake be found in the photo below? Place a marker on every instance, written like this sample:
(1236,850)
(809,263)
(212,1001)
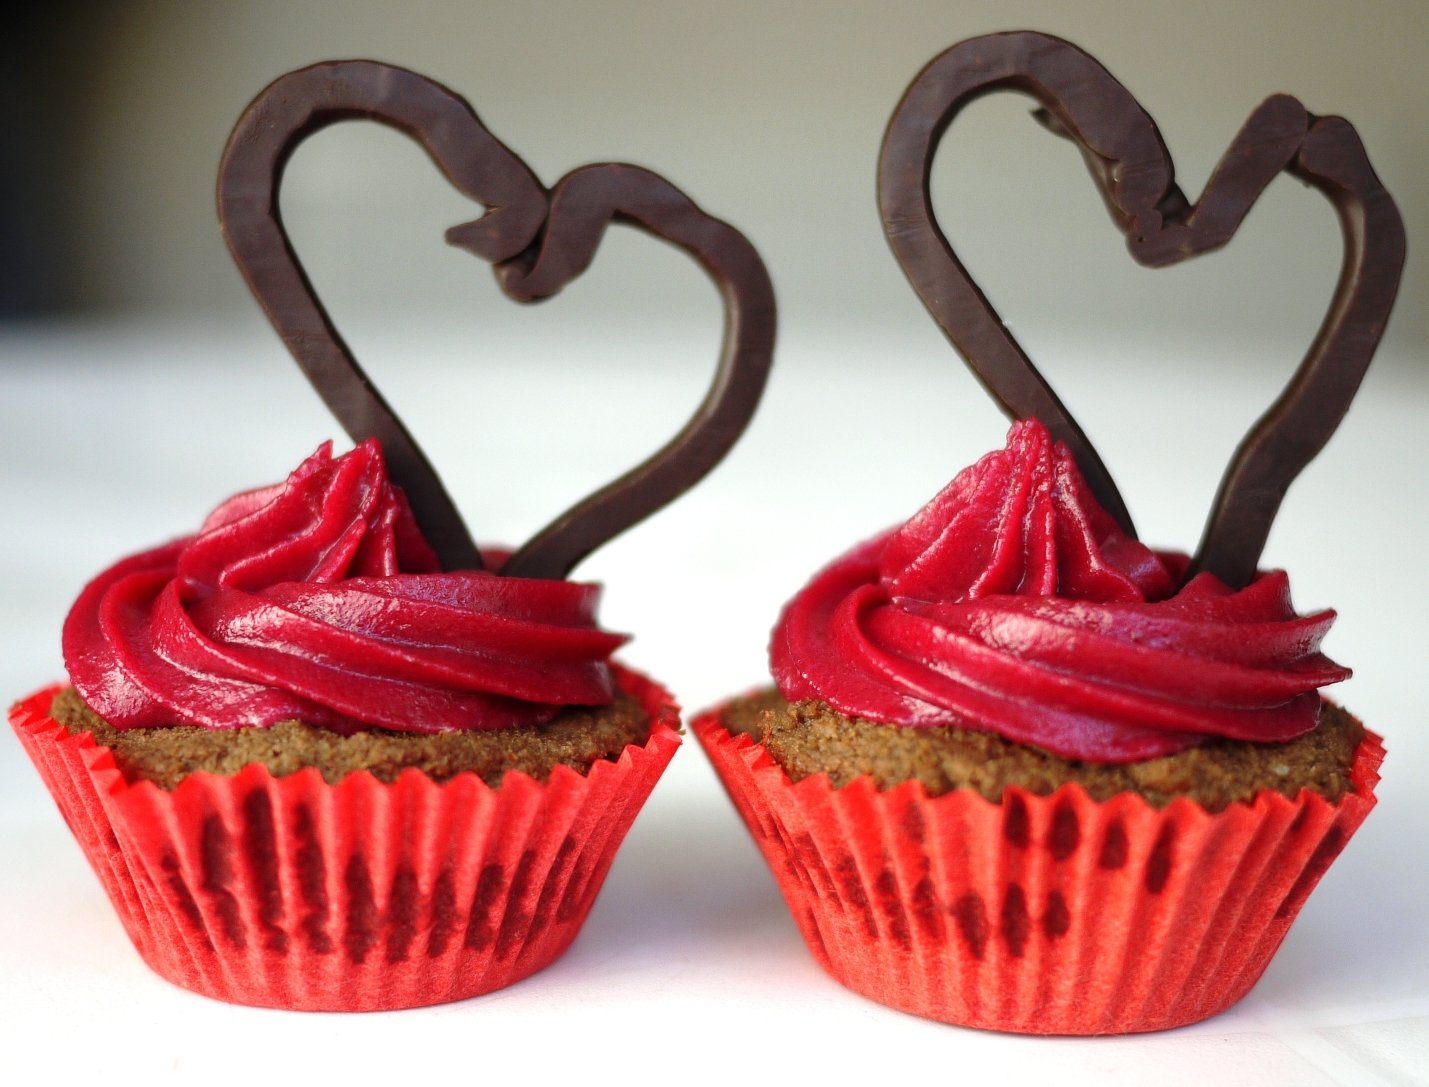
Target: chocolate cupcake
(1012,777)
(315,771)
(325,754)
(1020,771)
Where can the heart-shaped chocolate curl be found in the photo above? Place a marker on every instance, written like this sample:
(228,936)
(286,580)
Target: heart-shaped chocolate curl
(1131,166)
(538,242)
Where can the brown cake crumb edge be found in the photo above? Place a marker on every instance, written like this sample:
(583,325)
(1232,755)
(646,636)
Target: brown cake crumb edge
(578,737)
(810,737)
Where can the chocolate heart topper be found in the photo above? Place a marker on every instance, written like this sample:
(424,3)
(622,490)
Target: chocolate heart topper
(537,240)
(1131,166)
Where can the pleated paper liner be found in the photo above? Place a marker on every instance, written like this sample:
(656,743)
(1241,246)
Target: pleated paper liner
(292,893)
(1043,914)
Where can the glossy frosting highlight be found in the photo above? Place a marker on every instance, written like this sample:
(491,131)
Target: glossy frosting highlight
(318,600)
(1013,603)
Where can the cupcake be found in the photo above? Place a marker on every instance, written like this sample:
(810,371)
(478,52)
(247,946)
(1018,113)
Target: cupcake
(314,771)
(1019,771)
(1012,777)
(325,754)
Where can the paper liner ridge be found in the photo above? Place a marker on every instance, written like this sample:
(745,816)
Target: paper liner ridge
(1043,914)
(288,892)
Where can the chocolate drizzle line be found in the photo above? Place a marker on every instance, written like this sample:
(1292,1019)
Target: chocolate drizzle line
(537,240)
(1132,168)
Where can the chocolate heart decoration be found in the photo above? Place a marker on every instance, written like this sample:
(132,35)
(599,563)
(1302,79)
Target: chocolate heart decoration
(1132,168)
(538,242)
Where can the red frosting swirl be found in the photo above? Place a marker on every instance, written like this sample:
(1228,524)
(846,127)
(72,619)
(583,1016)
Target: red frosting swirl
(318,600)
(1013,603)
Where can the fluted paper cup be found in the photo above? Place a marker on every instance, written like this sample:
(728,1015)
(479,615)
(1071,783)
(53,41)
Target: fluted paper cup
(1042,914)
(292,893)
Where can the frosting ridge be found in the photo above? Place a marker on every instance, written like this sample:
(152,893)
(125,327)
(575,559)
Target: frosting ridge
(319,600)
(1013,603)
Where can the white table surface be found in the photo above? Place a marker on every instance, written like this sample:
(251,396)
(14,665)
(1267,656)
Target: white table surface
(689,968)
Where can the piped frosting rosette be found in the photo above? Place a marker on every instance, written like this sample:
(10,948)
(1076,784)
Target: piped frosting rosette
(1013,603)
(319,600)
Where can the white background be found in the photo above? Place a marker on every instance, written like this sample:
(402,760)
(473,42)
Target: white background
(115,437)
(120,431)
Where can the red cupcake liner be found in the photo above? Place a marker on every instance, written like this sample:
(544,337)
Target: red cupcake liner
(292,893)
(1043,914)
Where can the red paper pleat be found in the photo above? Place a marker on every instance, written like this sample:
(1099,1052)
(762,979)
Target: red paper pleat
(292,893)
(1043,914)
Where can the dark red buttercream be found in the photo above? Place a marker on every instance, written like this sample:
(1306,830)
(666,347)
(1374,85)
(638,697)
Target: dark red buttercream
(1013,603)
(318,600)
